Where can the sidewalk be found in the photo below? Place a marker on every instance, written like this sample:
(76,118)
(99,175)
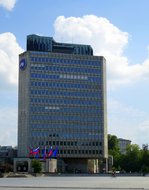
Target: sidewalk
(75,182)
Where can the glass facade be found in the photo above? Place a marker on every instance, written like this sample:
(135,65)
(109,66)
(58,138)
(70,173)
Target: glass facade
(47,44)
(66,104)
(64,101)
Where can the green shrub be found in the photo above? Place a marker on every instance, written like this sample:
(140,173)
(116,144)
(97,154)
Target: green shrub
(36,165)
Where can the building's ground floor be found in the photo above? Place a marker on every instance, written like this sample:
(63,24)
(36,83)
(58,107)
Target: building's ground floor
(63,165)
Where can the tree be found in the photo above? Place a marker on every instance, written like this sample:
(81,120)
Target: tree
(131,162)
(113,142)
(36,165)
(135,159)
(145,159)
(113,149)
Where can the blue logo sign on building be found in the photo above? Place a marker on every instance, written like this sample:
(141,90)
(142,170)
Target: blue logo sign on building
(22,64)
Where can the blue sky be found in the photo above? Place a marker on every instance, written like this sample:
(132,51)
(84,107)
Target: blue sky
(116,29)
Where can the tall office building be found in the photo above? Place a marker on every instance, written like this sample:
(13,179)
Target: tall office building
(62,103)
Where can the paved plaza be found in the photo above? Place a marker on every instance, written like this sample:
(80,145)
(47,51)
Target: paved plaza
(75,183)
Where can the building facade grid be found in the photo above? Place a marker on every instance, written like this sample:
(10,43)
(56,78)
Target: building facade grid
(62,103)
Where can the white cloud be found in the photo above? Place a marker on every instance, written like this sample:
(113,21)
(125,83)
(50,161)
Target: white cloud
(8,126)
(143,130)
(9,51)
(8,4)
(128,122)
(107,40)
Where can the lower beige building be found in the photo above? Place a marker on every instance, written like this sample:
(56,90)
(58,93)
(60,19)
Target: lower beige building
(25,165)
(123,143)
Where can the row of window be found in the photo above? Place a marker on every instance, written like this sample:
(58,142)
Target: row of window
(67,122)
(57,101)
(71,135)
(65,126)
(65,76)
(65,110)
(65,85)
(63,69)
(80,152)
(72,76)
(70,143)
(75,94)
(65,118)
(67,135)
(76,152)
(65,61)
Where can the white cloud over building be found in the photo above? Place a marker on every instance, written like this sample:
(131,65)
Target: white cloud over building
(9,51)
(107,40)
(127,122)
(8,126)
(8,4)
